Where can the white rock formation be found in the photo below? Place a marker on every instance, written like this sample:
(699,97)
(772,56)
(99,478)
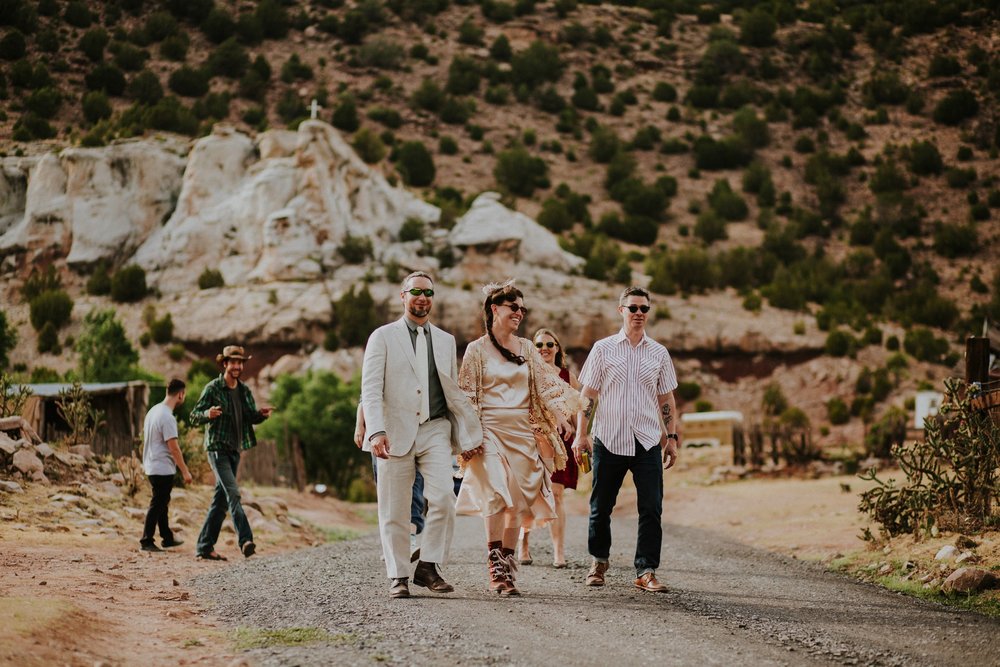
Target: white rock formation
(275,211)
(87,204)
(489,227)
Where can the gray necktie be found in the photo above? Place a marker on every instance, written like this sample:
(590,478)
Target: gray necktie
(423,376)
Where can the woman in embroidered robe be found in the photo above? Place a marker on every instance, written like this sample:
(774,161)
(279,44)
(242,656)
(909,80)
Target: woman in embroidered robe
(525,408)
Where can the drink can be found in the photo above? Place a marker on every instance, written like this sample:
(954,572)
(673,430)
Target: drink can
(585,461)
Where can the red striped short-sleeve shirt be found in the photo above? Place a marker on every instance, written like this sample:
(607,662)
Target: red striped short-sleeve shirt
(628,381)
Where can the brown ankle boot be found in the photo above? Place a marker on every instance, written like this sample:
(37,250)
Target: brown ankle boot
(498,571)
(511,567)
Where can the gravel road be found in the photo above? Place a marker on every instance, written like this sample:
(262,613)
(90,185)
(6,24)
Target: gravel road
(728,605)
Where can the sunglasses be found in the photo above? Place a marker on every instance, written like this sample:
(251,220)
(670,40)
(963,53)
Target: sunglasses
(416,291)
(516,308)
(634,308)
(549,345)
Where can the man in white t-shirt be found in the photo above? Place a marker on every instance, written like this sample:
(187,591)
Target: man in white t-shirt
(161,458)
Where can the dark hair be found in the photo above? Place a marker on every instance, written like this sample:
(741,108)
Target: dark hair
(560,357)
(505,294)
(415,274)
(633,291)
(175,387)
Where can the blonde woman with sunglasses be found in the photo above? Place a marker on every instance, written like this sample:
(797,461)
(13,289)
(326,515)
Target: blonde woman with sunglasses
(525,412)
(551,351)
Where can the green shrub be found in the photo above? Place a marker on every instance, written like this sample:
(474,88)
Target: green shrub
(925,159)
(105,354)
(345,115)
(229,59)
(729,153)
(381,53)
(295,70)
(290,107)
(456,111)
(44,102)
(219,25)
(837,411)
(145,88)
(884,87)
(412,230)
(386,116)
(368,146)
(463,76)
(922,344)
(107,78)
(415,164)
(175,47)
(960,178)
(273,18)
(96,106)
(355,249)
(128,284)
(750,128)
(710,227)
(50,306)
(688,390)
(447,145)
(77,15)
(727,203)
(162,330)
(555,216)
(210,278)
(13,45)
(839,343)
(129,58)
(953,241)
(92,44)
(170,115)
(428,96)
(757,28)
(48,340)
(956,106)
(160,25)
(189,82)
(942,65)
(539,63)
(99,282)
(773,402)
(519,172)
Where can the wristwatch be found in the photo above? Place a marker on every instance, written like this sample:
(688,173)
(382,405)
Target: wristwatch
(673,436)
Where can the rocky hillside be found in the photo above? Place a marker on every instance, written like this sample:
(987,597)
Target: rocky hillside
(811,191)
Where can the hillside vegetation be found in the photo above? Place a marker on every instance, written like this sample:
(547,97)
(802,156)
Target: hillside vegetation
(831,157)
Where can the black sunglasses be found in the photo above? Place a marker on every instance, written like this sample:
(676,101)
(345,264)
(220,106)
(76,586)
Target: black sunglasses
(416,291)
(634,308)
(549,345)
(516,308)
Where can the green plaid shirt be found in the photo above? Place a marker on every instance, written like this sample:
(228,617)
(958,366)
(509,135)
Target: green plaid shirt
(219,435)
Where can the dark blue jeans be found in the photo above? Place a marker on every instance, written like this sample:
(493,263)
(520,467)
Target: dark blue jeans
(159,508)
(646,467)
(227,497)
(417,504)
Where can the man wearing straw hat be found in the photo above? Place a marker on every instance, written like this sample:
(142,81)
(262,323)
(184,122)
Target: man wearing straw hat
(227,406)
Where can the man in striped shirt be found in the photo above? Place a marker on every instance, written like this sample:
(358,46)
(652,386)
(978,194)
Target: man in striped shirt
(636,420)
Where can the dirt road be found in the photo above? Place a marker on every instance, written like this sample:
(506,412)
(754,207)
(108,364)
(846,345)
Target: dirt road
(729,604)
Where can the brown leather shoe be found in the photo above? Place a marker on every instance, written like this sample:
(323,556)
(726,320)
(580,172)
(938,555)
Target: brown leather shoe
(596,575)
(426,575)
(497,564)
(399,588)
(648,582)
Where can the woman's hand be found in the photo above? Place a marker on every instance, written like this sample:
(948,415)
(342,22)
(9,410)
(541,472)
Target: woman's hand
(565,428)
(470,454)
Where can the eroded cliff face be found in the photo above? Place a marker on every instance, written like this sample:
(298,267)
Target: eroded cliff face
(272,213)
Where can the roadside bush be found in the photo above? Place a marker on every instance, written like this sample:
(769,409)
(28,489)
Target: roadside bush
(128,284)
(415,164)
(951,476)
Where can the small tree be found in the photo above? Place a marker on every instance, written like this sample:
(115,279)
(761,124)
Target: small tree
(128,285)
(106,355)
(74,406)
(415,164)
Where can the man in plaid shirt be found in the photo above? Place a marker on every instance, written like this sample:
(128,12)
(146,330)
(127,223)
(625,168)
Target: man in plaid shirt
(227,406)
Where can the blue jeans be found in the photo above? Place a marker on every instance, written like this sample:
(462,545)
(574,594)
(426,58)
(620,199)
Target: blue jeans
(417,504)
(647,474)
(227,496)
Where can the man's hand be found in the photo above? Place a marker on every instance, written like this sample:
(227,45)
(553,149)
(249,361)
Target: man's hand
(380,446)
(582,444)
(470,454)
(266,412)
(186,476)
(214,412)
(669,446)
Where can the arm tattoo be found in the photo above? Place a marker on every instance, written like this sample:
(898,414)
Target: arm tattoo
(589,408)
(665,411)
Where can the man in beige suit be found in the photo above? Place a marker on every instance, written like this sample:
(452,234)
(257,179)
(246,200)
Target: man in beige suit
(417,418)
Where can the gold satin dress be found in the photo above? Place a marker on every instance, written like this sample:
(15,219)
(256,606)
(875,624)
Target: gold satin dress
(510,473)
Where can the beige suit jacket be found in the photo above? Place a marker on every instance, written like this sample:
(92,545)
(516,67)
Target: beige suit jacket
(390,391)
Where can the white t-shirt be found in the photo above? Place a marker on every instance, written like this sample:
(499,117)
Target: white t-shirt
(160,426)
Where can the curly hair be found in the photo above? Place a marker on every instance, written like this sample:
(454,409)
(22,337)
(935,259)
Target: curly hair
(504,294)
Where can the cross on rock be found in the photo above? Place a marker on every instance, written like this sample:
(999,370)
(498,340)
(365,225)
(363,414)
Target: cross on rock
(314,109)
